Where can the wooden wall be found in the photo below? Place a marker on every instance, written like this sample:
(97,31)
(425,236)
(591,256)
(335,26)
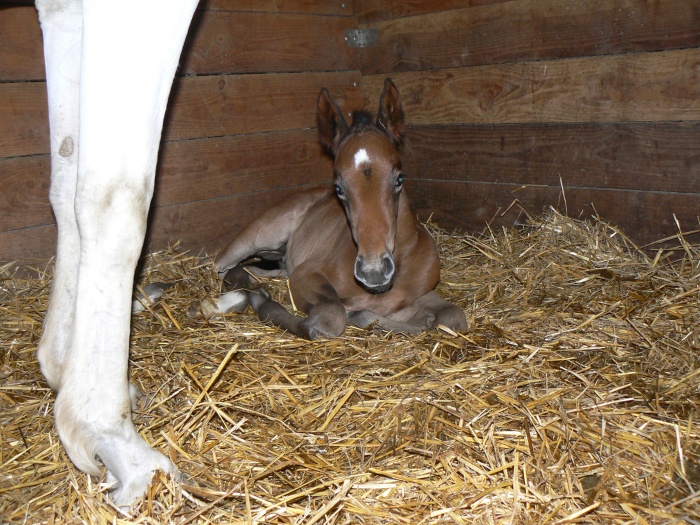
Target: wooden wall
(505,100)
(508,99)
(239,132)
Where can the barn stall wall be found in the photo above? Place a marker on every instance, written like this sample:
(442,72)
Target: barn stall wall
(511,99)
(505,100)
(239,133)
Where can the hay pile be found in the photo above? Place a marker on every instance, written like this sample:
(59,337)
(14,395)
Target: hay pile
(573,398)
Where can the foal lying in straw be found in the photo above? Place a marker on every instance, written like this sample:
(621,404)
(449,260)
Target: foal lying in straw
(354,253)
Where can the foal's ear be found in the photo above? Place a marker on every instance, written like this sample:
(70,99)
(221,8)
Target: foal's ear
(331,124)
(390,117)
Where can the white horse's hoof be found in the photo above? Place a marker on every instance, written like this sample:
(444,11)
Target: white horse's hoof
(124,493)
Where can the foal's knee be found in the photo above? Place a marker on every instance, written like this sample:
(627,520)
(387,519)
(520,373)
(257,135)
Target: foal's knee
(326,320)
(452,317)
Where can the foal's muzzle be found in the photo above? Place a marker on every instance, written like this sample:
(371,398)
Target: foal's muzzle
(375,275)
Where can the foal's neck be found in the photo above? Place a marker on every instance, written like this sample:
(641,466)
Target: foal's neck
(406,222)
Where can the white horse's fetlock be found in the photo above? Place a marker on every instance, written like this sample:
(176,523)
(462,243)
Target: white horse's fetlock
(136,396)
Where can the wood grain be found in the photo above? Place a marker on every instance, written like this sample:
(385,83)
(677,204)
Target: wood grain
(196,170)
(531,30)
(662,157)
(621,88)
(236,104)
(226,36)
(201,226)
(21,45)
(31,247)
(24,119)
(213,168)
(254,42)
(321,7)
(199,107)
(374,10)
(643,216)
(24,192)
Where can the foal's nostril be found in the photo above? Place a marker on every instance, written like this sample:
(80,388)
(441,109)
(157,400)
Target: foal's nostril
(375,275)
(359,265)
(388,266)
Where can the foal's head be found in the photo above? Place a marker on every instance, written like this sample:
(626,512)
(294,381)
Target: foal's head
(368,180)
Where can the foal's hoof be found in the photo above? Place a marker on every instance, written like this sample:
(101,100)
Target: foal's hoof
(125,495)
(258,297)
(236,278)
(153,291)
(235,301)
(453,318)
(197,309)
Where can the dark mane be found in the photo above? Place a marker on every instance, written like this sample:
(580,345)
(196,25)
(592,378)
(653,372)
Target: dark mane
(361,121)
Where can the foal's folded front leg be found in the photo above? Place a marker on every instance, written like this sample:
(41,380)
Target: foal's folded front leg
(326,314)
(441,312)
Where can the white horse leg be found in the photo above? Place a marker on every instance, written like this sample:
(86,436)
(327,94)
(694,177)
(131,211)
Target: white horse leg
(130,50)
(62,27)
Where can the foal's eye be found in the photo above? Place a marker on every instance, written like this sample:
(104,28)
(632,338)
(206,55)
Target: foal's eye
(338,190)
(399,181)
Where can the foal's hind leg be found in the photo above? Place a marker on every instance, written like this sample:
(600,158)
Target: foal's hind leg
(235,299)
(269,232)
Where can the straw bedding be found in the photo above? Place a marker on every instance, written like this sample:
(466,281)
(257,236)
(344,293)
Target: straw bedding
(572,398)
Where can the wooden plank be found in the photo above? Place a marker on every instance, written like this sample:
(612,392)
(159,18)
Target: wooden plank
(199,107)
(644,157)
(219,41)
(252,42)
(531,30)
(660,157)
(319,7)
(24,119)
(643,216)
(28,246)
(24,192)
(369,11)
(187,171)
(207,225)
(663,86)
(202,225)
(236,104)
(213,168)
(21,45)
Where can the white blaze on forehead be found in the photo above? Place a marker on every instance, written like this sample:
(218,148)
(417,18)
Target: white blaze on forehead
(361,157)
